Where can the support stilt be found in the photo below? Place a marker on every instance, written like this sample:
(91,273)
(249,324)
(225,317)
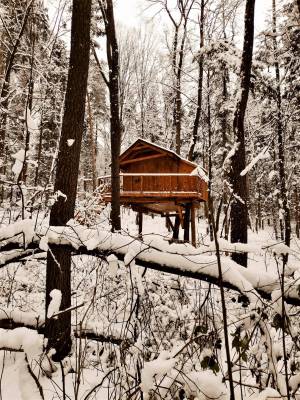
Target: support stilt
(187,214)
(140,221)
(193,224)
(176,228)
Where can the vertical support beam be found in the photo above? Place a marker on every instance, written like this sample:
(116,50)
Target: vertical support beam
(193,224)
(169,224)
(140,220)
(186,222)
(176,227)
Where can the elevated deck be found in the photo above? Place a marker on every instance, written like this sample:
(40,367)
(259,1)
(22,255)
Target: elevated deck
(151,189)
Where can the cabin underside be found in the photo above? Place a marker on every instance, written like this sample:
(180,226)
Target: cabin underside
(158,203)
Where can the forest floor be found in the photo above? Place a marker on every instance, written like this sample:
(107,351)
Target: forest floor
(154,315)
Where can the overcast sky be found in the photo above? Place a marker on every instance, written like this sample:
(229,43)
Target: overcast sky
(134,13)
(129,12)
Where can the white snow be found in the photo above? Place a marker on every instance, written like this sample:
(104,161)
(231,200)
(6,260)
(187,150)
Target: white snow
(70,142)
(18,316)
(268,394)
(18,165)
(24,339)
(162,365)
(205,385)
(230,154)
(32,124)
(54,305)
(25,226)
(264,154)
(113,264)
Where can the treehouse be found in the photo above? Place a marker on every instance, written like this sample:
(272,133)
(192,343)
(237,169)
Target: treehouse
(157,180)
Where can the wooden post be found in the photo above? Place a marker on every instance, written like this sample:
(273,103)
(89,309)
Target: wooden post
(176,227)
(140,220)
(193,225)
(169,224)
(187,214)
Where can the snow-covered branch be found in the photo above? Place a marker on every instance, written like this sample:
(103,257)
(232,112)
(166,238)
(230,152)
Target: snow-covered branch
(156,253)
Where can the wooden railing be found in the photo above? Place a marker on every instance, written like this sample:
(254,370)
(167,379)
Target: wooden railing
(155,183)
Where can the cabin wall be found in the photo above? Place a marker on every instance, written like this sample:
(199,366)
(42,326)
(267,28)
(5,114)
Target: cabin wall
(165,164)
(162,165)
(185,168)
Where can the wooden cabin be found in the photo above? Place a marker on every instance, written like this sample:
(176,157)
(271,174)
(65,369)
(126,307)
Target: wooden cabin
(157,180)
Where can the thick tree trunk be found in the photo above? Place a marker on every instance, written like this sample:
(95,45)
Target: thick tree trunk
(59,257)
(238,215)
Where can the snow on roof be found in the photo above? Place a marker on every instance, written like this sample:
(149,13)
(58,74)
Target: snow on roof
(161,148)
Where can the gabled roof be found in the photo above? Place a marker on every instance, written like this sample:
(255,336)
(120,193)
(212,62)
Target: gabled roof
(159,149)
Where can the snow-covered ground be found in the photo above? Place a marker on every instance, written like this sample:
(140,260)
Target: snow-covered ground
(170,329)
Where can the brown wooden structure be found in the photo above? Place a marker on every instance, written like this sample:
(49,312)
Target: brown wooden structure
(157,180)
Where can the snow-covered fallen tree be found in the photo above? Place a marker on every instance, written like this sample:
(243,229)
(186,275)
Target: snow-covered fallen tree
(155,252)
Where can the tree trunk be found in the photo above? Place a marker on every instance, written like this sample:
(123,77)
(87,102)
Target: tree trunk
(191,155)
(115,124)
(209,157)
(178,100)
(238,213)
(59,257)
(5,87)
(286,227)
(92,144)
(297,214)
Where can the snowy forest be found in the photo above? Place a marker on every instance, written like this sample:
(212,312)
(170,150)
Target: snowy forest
(150,216)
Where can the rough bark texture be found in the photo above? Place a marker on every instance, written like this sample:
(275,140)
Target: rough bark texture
(59,257)
(192,155)
(92,144)
(238,213)
(115,124)
(280,141)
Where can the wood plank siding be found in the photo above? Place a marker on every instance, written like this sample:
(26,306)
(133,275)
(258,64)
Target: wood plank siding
(151,174)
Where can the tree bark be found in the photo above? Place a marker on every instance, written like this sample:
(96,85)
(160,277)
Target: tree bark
(59,257)
(192,155)
(280,140)
(112,51)
(238,215)
(5,87)
(92,144)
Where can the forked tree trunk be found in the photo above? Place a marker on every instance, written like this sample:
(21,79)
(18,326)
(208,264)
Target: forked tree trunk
(58,274)
(238,215)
